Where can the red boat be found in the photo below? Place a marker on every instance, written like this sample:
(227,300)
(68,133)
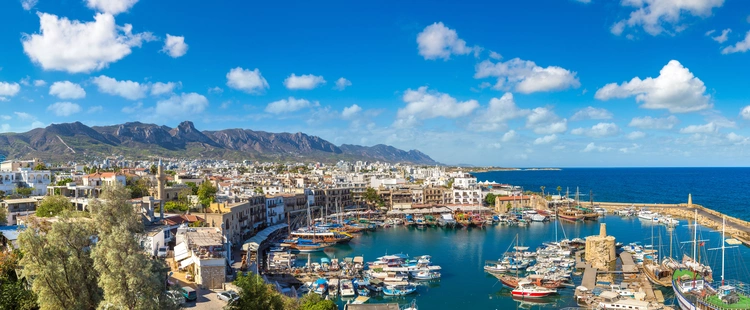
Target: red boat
(512,282)
(527,290)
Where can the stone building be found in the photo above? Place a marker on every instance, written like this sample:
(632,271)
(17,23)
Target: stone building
(204,251)
(600,249)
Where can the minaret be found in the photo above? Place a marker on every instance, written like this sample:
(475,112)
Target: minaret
(161,181)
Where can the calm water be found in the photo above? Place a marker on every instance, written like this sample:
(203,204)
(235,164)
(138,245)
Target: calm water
(462,253)
(722,189)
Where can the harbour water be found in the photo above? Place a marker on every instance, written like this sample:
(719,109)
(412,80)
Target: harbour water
(462,252)
(721,189)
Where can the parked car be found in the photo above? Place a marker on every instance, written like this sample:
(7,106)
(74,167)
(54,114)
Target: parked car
(176,297)
(162,252)
(189,293)
(228,296)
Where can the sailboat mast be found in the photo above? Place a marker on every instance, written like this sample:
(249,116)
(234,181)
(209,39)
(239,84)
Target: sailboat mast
(695,235)
(723,224)
(670,242)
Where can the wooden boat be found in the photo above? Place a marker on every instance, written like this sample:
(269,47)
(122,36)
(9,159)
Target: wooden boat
(570,214)
(588,214)
(512,282)
(656,273)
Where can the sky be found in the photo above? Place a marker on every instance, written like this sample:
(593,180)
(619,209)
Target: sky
(562,83)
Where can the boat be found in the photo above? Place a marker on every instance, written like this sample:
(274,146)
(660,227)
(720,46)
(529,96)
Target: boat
(412,306)
(526,289)
(320,286)
(588,214)
(399,289)
(538,218)
(656,273)
(570,214)
(347,289)
(333,287)
(305,245)
(361,287)
(600,210)
(446,220)
(426,275)
(645,214)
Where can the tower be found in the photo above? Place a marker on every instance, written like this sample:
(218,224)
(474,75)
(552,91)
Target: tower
(690,200)
(161,181)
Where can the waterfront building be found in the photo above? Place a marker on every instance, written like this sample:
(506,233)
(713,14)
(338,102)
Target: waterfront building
(204,251)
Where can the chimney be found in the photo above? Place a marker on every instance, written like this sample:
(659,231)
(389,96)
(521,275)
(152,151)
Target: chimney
(603,230)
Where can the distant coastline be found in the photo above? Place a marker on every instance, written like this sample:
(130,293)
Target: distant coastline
(491,169)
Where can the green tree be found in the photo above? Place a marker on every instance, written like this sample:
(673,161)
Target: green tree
(40,167)
(154,170)
(13,291)
(175,206)
(450,183)
(138,187)
(371,196)
(63,182)
(128,277)
(53,205)
(24,191)
(3,216)
(315,302)
(256,294)
(559,189)
(490,199)
(206,193)
(58,259)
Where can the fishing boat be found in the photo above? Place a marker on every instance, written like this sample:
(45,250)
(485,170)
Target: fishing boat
(347,289)
(588,214)
(399,289)
(426,275)
(656,273)
(304,245)
(360,285)
(446,220)
(526,289)
(320,286)
(538,218)
(647,215)
(333,287)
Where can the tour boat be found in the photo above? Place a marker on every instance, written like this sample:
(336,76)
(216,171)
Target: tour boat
(526,289)
(320,286)
(400,289)
(426,275)
(360,285)
(570,215)
(648,215)
(347,289)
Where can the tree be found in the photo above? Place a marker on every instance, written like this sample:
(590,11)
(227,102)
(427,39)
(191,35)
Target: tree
(206,193)
(40,166)
(154,170)
(138,188)
(490,199)
(193,187)
(175,206)
(559,189)
(24,191)
(63,182)
(58,259)
(315,302)
(3,216)
(13,291)
(255,294)
(450,183)
(371,196)
(53,205)
(542,188)
(128,277)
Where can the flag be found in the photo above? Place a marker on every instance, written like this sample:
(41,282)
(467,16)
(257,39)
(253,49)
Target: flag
(702,243)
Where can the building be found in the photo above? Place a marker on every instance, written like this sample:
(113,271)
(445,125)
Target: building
(434,195)
(14,165)
(103,179)
(204,252)
(18,207)
(237,220)
(37,180)
(275,210)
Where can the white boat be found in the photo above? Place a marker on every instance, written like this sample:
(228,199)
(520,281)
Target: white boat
(648,215)
(527,290)
(538,218)
(333,287)
(400,289)
(347,289)
(426,275)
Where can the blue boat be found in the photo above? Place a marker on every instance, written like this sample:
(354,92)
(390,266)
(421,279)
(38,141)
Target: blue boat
(320,286)
(399,290)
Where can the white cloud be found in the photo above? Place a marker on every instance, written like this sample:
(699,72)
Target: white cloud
(24,116)
(95,109)
(675,89)
(113,7)
(28,4)
(215,90)
(526,77)
(584,1)
(498,112)
(591,113)
(649,122)
(509,136)
(657,16)
(745,113)
(342,83)
(495,55)
(132,109)
(160,88)
(126,89)
(186,104)
(544,122)
(175,46)
(76,47)
(546,139)
(305,81)
(64,108)
(635,135)
(737,139)
(739,47)
(591,147)
(251,82)
(8,90)
(39,83)
(67,90)
(287,105)
(350,112)
(705,128)
(424,104)
(723,37)
(630,149)
(598,130)
(437,41)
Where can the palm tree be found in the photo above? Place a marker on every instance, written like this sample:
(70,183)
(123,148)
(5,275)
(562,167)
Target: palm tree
(559,189)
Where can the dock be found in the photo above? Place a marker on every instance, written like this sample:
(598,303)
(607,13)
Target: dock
(589,277)
(579,261)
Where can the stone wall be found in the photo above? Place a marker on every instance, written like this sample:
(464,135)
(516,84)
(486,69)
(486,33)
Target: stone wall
(600,249)
(211,277)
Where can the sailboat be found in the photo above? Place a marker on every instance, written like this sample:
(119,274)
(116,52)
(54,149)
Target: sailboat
(656,272)
(691,280)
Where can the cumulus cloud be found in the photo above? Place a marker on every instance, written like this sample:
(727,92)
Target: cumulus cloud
(95,109)
(744,113)
(67,90)
(183,105)
(64,108)
(160,88)
(175,46)
(723,37)
(631,148)
(705,128)
(658,16)
(509,136)
(28,4)
(251,82)
(113,7)
(126,89)
(76,47)
(739,47)
(649,122)
(425,104)
(635,135)
(598,130)
(526,77)
(498,112)
(544,122)
(39,83)
(495,55)
(591,113)
(675,89)
(305,81)
(350,112)
(737,139)
(8,90)
(437,41)
(591,147)
(287,105)
(546,139)
(342,83)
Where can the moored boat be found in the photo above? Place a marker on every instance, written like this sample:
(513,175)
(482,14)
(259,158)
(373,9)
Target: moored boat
(526,289)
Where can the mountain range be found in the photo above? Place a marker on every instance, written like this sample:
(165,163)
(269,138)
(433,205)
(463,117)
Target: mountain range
(68,141)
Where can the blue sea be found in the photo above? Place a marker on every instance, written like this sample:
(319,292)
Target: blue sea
(722,189)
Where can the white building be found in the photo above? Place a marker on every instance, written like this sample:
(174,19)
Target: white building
(38,180)
(274,210)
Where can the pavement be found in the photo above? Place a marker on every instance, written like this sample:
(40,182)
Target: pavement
(206,300)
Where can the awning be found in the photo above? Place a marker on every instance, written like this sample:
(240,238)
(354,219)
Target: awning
(186,262)
(254,242)
(181,252)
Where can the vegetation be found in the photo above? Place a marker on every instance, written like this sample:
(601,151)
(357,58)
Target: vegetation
(193,187)
(542,188)
(138,187)
(53,206)
(206,193)
(175,206)
(450,183)
(13,291)
(315,302)
(40,167)
(559,189)
(371,196)
(24,191)
(153,169)
(490,199)
(3,216)
(256,294)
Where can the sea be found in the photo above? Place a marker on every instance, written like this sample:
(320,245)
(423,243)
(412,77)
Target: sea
(462,252)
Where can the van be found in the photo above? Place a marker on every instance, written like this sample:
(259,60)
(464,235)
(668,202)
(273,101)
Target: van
(162,252)
(189,293)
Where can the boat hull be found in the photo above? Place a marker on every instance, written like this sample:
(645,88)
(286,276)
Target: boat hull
(525,294)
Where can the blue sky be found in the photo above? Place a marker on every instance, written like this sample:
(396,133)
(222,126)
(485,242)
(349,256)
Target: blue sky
(506,83)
